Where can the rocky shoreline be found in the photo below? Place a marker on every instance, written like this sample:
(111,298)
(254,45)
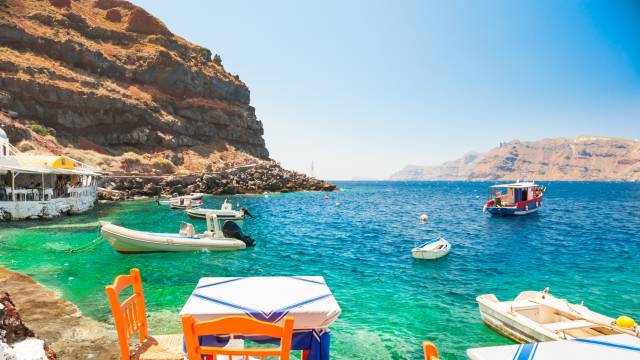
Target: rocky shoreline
(43,314)
(230,180)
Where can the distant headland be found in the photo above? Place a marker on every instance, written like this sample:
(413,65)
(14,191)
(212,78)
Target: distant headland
(584,158)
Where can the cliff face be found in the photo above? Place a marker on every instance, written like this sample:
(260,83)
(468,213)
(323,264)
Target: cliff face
(107,77)
(585,158)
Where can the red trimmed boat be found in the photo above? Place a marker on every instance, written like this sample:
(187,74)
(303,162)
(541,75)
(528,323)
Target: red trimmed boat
(520,198)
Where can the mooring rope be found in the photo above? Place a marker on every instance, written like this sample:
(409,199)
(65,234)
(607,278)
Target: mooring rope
(82,249)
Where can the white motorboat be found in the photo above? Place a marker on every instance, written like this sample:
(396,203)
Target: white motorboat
(226,212)
(434,249)
(185,203)
(536,316)
(229,237)
(175,198)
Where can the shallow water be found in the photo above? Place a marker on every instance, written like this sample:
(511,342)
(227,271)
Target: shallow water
(584,244)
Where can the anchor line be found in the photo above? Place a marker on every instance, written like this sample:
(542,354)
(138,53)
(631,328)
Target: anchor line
(82,249)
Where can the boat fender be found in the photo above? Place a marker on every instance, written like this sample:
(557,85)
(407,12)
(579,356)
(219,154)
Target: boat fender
(625,322)
(6,216)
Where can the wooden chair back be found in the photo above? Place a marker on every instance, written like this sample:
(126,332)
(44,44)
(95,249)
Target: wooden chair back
(430,351)
(129,316)
(236,325)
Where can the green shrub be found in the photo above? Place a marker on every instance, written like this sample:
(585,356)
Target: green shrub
(163,165)
(39,129)
(131,158)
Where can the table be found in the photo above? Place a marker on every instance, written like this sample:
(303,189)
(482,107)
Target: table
(609,347)
(307,299)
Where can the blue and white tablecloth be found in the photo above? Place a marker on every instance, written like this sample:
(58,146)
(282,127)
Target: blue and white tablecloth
(307,299)
(609,347)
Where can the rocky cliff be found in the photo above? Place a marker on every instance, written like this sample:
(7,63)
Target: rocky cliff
(585,158)
(108,84)
(107,77)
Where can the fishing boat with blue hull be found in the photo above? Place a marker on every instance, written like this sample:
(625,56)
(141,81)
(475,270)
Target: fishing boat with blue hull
(520,198)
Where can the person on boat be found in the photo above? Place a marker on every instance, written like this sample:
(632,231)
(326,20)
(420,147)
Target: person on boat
(497,201)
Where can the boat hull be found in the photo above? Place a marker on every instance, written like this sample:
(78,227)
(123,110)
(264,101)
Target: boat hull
(432,251)
(510,327)
(510,211)
(221,214)
(129,241)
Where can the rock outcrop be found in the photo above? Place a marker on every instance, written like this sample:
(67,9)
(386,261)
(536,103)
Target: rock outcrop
(245,179)
(17,341)
(585,158)
(108,75)
(107,83)
(67,333)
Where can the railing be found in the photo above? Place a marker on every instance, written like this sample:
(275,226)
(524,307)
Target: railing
(13,151)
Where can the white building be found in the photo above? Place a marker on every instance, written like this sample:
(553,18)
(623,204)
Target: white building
(42,186)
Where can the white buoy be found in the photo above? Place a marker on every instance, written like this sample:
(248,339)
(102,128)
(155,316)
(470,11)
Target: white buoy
(424,218)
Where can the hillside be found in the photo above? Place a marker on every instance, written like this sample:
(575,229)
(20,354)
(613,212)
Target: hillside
(107,78)
(585,158)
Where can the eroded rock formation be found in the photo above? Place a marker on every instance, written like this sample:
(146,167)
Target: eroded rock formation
(107,75)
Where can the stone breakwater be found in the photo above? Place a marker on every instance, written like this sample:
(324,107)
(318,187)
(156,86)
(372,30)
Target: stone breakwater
(66,333)
(249,179)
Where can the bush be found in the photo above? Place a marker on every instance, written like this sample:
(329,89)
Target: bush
(130,160)
(39,129)
(163,165)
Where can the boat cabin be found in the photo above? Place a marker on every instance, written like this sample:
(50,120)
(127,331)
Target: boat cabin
(518,198)
(42,186)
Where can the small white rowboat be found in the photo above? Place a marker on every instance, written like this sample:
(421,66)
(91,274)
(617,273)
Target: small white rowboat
(128,241)
(431,249)
(536,316)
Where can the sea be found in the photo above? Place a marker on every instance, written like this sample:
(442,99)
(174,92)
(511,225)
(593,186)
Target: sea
(584,244)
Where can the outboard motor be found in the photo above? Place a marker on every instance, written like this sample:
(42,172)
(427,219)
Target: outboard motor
(232,230)
(246,212)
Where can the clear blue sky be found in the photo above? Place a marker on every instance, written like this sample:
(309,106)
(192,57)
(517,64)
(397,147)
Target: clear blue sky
(366,87)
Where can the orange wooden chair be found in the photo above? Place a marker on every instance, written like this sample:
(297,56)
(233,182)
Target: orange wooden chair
(236,325)
(130,318)
(430,351)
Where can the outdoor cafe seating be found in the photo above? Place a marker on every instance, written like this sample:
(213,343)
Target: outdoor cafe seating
(222,314)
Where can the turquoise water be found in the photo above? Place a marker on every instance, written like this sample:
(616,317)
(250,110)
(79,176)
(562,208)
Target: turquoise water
(584,244)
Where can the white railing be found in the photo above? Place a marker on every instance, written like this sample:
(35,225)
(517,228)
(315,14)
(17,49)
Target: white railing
(13,151)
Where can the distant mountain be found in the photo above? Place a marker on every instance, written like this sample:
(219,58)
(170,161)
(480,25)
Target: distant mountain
(585,158)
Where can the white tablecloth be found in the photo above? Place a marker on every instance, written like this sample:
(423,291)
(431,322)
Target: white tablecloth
(610,347)
(306,298)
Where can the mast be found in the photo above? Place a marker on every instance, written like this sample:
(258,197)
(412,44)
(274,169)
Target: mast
(312,169)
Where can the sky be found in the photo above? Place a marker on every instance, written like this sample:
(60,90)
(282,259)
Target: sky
(363,88)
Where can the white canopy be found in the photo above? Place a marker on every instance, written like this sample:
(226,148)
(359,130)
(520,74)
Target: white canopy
(46,170)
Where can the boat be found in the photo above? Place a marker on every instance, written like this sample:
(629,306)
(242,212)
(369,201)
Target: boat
(519,198)
(185,203)
(225,212)
(176,198)
(229,237)
(431,250)
(536,316)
